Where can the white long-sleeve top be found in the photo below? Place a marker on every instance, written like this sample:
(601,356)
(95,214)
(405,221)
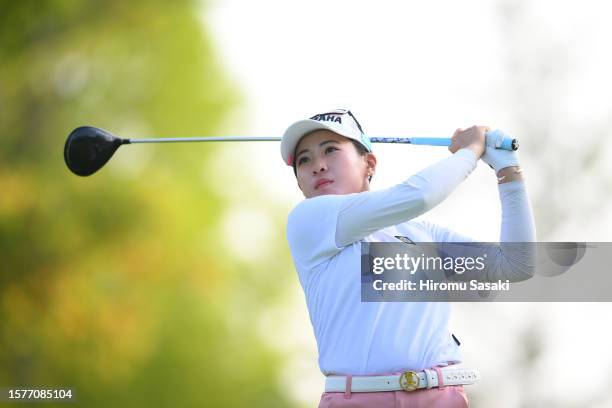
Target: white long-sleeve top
(324,235)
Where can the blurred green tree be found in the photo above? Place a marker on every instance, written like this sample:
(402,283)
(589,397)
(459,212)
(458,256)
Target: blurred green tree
(115,284)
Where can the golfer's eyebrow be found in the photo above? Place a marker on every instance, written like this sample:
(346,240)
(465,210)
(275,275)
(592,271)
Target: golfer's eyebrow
(320,144)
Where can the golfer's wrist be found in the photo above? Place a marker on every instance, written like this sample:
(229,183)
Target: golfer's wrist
(508,174)
(476,149)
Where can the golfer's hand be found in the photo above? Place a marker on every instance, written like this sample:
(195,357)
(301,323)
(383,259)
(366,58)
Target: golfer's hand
(472,138)
(499,159)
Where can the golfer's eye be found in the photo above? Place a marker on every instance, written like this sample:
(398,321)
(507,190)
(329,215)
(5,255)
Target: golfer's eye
(330,149)
(302,160)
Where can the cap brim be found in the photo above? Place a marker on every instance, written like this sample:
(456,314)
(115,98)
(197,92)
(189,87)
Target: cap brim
(296,131)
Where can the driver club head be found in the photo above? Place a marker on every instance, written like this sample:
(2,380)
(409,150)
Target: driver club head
(88,148)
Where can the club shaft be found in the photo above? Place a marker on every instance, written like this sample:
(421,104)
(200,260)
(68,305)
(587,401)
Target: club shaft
(432,141)
(208,139)
(508,143)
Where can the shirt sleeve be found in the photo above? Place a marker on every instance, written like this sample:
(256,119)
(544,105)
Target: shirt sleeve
(514,257)
(311,229)
(320,227)
(364,213)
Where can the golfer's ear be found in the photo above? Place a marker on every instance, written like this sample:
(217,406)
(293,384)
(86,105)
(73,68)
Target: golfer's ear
(371,162)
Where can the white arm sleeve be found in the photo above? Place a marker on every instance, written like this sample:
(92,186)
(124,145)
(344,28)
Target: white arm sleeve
(517,217)
(514,262)
(364,213)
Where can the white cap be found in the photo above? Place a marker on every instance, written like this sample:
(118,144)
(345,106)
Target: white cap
(340,121)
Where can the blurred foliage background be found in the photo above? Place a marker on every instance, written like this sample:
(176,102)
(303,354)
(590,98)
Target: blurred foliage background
(117,284)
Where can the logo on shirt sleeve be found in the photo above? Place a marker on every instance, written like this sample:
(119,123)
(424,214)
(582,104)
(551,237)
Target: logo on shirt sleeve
(405,240)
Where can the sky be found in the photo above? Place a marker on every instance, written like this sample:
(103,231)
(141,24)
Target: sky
(425,69)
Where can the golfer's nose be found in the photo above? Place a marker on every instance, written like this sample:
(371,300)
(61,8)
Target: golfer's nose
(319,166)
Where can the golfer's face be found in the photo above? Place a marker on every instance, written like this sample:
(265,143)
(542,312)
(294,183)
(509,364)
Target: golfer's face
(328,163)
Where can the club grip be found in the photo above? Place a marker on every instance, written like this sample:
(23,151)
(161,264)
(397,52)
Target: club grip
(499,140)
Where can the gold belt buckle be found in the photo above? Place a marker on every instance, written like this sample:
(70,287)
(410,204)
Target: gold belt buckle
(409,381)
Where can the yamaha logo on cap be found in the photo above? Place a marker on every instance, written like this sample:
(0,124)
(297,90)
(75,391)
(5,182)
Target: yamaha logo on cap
(336,117)
(329,117)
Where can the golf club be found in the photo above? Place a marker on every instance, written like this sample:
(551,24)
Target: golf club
(88,148)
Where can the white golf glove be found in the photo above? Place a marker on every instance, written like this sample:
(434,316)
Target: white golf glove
(498,159)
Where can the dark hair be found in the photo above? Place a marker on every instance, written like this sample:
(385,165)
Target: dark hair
(361,149)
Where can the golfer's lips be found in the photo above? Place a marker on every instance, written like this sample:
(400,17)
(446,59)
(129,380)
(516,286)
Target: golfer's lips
(322,182)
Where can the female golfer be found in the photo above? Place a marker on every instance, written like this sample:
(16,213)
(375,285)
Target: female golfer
(384,354)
